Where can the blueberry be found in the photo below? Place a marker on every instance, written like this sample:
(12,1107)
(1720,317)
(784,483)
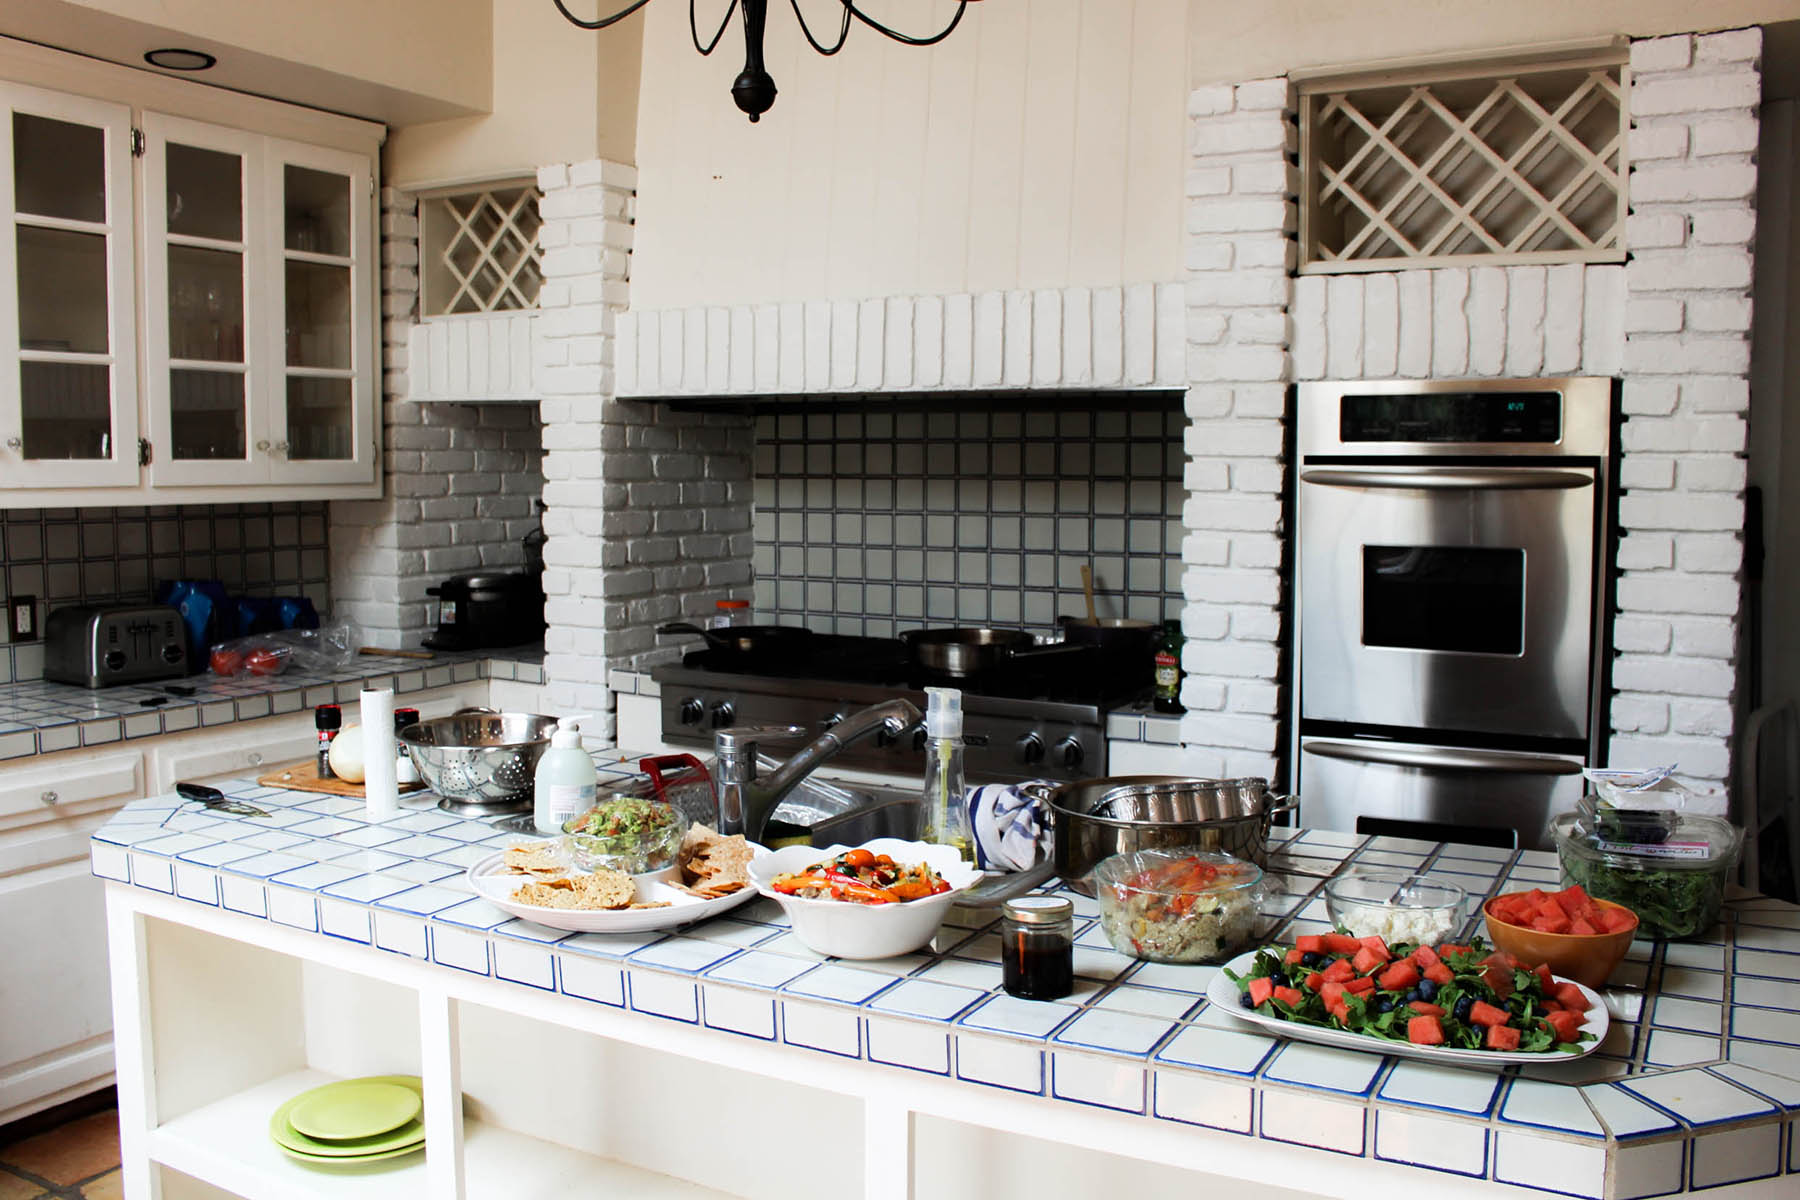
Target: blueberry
(1310,959)
(1426,989)
(1463,1008)
(1245,1001)
(1414,994)
(1384,1005)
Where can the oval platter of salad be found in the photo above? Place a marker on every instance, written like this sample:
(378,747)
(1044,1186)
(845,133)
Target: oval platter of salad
(1463,1004)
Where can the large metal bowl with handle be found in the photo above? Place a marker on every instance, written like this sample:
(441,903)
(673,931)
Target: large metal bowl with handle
(1095,819)
(479,762)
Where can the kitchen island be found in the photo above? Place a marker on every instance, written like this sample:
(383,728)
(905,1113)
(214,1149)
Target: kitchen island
(255,957)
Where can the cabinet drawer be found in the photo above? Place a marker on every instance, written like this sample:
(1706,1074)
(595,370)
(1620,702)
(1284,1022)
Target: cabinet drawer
(248,752)
(67,786)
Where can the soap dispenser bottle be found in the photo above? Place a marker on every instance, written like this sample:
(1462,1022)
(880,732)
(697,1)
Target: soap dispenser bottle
(564,785)
(946,814)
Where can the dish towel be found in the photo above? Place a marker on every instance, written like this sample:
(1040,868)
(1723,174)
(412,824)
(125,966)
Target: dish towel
(1010,826)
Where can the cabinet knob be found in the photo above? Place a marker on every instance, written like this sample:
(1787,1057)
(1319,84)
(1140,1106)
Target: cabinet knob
(281,447)
(50,796)
(13,443)
(262,445)
(255,758)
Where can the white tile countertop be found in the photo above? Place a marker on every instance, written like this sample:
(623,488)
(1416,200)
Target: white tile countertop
(1697,1085)
(40,717)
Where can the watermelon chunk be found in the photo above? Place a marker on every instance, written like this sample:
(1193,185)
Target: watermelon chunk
(1425,957)
(1341,943)
(1399,977)
(1339,970)
(1617,920)
(1424,1009)
(1502,1037)
(1310,943)
(1565,1024)
(1374,942)
(1571,997)
(1314,982)
(1424,1031)
(1360,987)
(1484,1013)
(1572,899)
(1292,997)
(1261,990)
(1581,927)
(1292,958)
(1366,960)
(1332,993)
(1439,974)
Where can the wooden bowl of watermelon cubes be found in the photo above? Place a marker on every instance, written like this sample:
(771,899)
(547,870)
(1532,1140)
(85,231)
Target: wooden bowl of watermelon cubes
(1575,935)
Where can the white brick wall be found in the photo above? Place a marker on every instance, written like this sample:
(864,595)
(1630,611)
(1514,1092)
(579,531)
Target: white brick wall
(648,508)
(1115,337)
(1240,250)
(459,480)
(1686,369)
(1461,323)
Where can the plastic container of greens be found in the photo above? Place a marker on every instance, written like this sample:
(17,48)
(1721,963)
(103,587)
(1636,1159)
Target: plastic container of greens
(1675,885)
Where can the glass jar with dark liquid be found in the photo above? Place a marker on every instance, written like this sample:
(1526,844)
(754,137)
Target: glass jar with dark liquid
(1037,947)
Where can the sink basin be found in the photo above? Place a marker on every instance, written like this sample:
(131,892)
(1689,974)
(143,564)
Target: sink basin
(823,813)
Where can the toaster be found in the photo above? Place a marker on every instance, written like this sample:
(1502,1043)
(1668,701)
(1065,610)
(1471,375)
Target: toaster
(125,643)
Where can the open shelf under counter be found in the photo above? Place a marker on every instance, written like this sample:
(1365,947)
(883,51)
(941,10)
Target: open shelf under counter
(226,1143)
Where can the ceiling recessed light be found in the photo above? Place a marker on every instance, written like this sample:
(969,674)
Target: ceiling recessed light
(174,59)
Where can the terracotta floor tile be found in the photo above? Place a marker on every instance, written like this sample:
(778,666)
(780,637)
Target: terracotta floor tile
(14,1188)
(110,1186)
(69,1153)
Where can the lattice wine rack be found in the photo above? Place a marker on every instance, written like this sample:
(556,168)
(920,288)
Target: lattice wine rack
(1464,164)
(479,251)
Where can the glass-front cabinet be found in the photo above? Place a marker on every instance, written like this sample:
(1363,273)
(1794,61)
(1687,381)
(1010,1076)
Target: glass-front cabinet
(68,343)
(201,314)
(258,265)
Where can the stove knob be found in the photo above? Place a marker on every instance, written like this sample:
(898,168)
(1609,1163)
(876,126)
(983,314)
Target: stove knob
(173,653)
(1031,749)
(723,714)
(114,660)
(1070,752)
(692,711)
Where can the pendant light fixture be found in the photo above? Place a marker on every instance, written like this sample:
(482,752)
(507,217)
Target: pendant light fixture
(754,90)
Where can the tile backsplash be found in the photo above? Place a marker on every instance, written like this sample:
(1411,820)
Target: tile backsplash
(67,556)
(873,520)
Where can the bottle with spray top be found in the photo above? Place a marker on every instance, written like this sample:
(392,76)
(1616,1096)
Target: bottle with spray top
(564,785)
(946,815)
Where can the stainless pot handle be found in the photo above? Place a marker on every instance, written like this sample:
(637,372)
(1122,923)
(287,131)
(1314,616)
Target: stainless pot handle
(1281,807)
(1038,789)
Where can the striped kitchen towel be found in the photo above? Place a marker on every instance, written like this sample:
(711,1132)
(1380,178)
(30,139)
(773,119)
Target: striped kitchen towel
(1009,824)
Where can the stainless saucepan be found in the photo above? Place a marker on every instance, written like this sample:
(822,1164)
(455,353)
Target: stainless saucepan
(971,651)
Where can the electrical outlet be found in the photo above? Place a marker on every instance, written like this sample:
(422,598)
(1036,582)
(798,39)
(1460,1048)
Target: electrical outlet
(21,619)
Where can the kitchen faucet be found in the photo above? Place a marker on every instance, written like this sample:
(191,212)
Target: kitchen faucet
(745,801)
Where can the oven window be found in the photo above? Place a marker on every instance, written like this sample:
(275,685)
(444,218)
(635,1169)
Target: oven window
(1444,598)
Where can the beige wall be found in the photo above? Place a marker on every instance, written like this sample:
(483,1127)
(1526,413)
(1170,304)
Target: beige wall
(1230,40)
(561,94)
(1040,145)
(392,60)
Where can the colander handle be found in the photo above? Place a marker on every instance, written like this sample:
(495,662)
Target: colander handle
(654,765)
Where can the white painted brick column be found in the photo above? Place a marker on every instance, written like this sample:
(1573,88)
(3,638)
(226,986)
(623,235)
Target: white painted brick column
(648,508)
(1686,372)
(459,480)
(1240,253)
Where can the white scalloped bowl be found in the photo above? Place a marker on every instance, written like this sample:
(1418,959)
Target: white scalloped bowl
(845,930)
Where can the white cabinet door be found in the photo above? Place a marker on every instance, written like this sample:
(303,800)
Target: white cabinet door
(323,343)
(206,299)
(68,338)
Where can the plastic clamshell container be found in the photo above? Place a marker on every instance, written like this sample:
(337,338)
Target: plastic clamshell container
(1675,886)
(1178,906)
(1396,906)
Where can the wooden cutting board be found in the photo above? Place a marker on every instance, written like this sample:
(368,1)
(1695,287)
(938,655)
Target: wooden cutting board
(303,776)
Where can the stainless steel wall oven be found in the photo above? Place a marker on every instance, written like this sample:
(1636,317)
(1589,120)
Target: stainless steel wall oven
(1453,541)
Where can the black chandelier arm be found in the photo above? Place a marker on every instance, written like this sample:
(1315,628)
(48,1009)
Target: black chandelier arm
(850,10)
(843,30)
(694,26)
(599,22)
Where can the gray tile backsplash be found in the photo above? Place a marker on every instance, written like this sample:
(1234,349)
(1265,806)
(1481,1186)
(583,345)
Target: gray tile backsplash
(67,556)
(875,520)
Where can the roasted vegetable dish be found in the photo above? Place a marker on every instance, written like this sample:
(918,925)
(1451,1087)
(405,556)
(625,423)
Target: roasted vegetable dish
(862,877)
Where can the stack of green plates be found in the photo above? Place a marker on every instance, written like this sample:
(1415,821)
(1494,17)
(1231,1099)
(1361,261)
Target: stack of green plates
(352,1121)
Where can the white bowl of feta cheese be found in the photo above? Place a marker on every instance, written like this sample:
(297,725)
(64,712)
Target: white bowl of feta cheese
(1396,906)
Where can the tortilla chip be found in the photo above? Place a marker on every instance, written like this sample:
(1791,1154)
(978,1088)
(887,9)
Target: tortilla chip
(712,862)
(649,904)
(602,890)
(534,858)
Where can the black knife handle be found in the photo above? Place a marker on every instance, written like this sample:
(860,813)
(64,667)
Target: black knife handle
(200,792)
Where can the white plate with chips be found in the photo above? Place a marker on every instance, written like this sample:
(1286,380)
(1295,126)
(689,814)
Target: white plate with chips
(495,882)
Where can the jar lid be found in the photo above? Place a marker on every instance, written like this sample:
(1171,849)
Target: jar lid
(1038,910)
(328,716)
(732,604)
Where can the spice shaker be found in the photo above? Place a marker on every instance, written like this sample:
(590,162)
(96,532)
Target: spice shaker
(1037,947)
(327,720)
(404,770)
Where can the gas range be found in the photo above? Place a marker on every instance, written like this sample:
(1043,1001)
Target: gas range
(1028,718)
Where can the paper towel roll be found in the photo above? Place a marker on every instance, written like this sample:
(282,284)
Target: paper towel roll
(381,792)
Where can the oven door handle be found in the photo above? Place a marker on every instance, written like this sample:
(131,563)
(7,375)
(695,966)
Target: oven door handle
(1452,478)
(1462,760)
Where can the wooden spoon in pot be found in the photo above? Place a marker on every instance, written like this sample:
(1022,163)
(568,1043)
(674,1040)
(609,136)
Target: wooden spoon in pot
(1087,586)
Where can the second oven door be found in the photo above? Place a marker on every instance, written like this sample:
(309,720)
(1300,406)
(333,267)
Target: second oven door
(1434,793)
(1456,598)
